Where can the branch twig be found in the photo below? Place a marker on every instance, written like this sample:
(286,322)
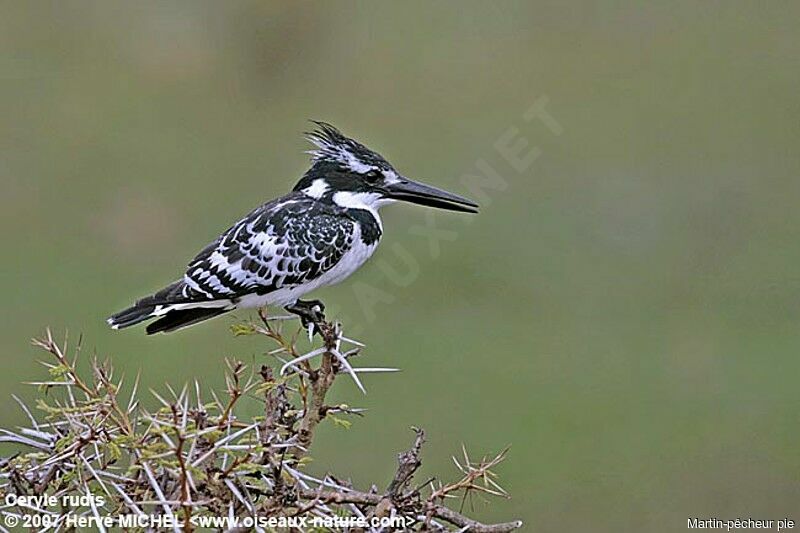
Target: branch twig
(193,458)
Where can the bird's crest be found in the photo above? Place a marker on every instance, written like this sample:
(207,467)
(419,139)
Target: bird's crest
(332,145)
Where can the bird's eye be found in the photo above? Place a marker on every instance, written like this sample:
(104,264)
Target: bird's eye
(372,177)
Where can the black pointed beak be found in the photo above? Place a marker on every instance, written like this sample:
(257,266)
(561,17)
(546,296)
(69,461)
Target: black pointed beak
(419,193)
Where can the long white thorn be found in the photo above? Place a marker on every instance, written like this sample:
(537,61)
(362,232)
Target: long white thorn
(300,359)
(366,370)
(346,364)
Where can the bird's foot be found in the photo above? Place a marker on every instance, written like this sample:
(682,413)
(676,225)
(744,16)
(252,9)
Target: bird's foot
(311,313)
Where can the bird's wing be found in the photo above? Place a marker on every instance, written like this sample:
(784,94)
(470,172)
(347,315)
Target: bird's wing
(283,243)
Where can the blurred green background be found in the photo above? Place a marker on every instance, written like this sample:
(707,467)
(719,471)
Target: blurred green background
(625,313)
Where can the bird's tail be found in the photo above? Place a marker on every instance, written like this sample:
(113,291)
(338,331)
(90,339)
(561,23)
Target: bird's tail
(172,308)
(182,318)
(131,316)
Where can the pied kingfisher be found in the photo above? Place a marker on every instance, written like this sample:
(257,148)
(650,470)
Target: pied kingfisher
(316,235)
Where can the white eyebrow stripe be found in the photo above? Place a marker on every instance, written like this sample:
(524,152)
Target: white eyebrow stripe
(390,176)
(353,162)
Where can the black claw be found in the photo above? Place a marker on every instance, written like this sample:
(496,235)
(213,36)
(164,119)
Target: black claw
(311,312)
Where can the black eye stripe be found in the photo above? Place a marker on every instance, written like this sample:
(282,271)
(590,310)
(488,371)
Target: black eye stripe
(373,176)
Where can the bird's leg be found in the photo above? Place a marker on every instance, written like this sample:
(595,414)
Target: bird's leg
(309,311)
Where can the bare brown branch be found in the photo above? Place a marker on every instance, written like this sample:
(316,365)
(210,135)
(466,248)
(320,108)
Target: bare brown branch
(190,458)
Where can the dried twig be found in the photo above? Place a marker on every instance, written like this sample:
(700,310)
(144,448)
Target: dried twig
(190,459)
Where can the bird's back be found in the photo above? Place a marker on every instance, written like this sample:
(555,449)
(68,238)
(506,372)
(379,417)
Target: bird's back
(285,243)
(272,256)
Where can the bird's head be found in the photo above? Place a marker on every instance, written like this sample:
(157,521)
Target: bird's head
(351,175)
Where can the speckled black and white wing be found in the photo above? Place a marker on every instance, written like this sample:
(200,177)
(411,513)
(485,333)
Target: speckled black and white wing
(278,246)
(273,256)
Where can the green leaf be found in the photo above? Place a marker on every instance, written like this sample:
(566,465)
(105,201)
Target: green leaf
(341,422)
(242,329)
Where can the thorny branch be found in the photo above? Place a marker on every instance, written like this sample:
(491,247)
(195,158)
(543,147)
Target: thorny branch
(194,457)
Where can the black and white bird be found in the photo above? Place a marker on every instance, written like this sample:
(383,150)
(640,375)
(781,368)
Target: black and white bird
(316,235)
